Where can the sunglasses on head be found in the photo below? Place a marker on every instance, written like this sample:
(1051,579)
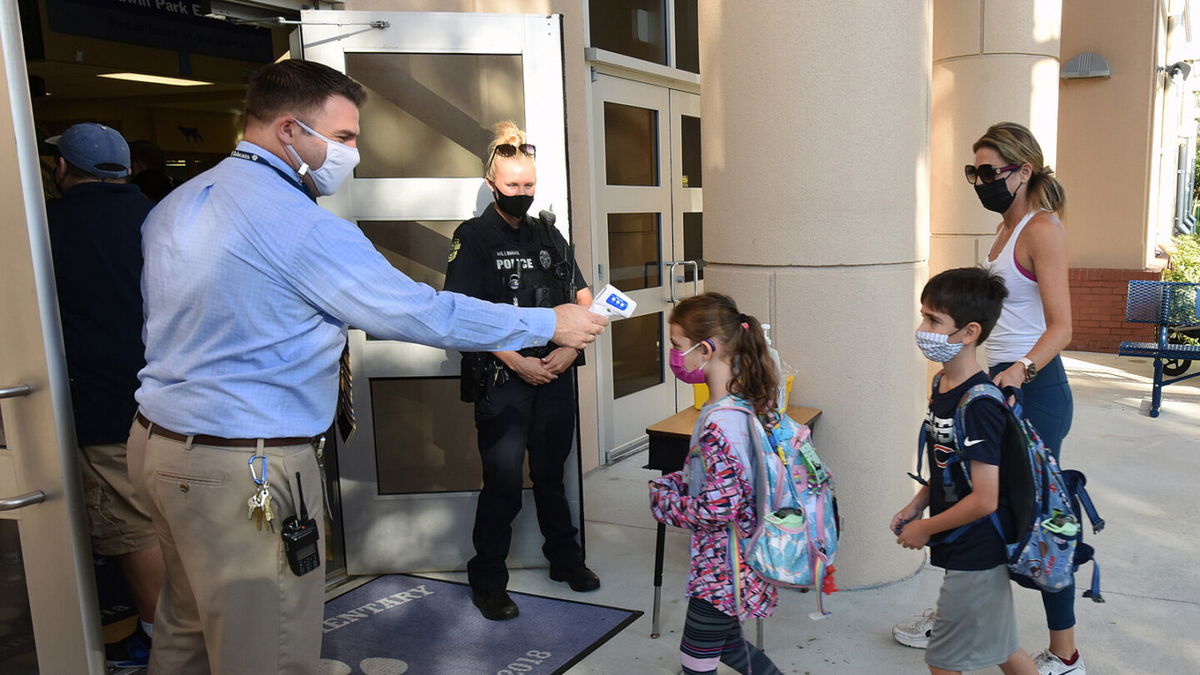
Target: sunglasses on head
(510,150)
(985,173)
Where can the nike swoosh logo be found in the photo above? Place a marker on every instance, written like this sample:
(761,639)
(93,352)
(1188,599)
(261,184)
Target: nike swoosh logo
(968,442)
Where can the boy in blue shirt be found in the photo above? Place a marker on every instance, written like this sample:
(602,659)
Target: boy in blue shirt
(976,624)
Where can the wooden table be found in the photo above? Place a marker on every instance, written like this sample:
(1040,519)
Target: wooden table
(669,440)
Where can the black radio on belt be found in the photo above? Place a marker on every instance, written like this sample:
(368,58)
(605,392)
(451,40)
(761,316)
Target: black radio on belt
(300,538)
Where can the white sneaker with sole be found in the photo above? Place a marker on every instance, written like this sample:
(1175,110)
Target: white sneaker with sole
(1048,663)
(915,633)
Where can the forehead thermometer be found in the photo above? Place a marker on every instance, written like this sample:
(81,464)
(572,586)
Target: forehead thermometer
(612,302)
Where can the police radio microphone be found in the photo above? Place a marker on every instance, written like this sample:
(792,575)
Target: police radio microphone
(300,538)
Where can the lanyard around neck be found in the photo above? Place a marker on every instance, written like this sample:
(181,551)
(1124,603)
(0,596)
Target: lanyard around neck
(259,159)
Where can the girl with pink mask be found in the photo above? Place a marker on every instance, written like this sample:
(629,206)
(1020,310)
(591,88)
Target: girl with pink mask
(714,343)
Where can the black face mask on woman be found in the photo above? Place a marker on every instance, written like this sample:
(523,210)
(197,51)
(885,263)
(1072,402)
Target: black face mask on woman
(995,195)
(514,205)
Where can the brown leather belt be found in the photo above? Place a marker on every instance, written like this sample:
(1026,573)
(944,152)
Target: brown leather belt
(201,439)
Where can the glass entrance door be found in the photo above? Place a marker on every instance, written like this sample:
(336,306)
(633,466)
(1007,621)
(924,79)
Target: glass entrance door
(436,84)
(648,202)
(49,620)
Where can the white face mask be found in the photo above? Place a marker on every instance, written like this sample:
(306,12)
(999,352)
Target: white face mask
(340,160)
(937,347)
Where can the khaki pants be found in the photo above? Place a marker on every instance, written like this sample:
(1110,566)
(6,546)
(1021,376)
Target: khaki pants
(117,516)
(230,603)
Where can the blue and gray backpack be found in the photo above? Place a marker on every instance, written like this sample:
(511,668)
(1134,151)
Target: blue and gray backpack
(1045,502)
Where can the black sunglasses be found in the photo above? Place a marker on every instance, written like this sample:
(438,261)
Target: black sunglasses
(510,150)
(985,173)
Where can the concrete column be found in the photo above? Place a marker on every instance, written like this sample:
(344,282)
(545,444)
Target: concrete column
(993,61)
(816,167)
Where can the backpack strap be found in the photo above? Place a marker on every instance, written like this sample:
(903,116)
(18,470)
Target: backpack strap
(733,553)
(984,390)
(1080,499)
(923,438)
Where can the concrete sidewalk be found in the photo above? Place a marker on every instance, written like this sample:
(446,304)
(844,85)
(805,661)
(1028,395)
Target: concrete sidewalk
(1142,474)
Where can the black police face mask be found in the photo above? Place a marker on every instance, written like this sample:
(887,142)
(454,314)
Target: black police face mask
(995,195)
(514,205)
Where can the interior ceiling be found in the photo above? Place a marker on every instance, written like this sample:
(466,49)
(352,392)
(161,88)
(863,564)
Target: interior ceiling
(70,81)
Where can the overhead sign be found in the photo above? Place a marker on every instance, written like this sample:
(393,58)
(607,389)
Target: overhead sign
(196,8)
(176,25)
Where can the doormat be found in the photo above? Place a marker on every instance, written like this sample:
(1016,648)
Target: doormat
(407,624)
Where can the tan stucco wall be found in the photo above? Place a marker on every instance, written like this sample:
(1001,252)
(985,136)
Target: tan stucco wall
(1105,132)
(816,182)
(575,74)
(992,62)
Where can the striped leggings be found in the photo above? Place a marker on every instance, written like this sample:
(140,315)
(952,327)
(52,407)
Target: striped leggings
(710,636)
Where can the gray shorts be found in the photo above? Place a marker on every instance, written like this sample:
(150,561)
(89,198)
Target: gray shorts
(976,626)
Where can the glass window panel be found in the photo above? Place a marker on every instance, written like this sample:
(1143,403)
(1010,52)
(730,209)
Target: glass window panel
(630,145)
(633,250)
(430,115)
(687,36)
(18,654)
(689,132)
(693,243)
(637,353)
(419,248)
(634,28)
(424,438)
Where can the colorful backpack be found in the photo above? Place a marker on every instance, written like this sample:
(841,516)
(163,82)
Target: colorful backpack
(796,536)
(1047,545)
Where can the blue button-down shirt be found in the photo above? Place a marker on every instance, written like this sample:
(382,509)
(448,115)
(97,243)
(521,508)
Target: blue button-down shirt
(248,288)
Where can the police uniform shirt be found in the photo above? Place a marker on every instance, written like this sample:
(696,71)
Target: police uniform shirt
(516,258)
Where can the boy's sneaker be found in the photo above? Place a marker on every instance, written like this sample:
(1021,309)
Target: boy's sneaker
(1048,663)
(916,633)
(132,652)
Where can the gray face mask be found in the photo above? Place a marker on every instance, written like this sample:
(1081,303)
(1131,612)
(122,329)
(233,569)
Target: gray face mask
(937,347)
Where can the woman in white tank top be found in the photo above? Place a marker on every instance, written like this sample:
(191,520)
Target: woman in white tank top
(1030,254)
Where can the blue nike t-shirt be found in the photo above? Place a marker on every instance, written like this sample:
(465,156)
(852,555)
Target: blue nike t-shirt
(980,547)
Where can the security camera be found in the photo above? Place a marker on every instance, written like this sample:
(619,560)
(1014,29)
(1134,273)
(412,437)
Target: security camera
(1179,71)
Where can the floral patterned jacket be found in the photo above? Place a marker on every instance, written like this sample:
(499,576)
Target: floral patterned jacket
(725,495)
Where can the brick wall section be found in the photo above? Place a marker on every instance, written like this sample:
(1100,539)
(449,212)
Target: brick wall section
(1098,309)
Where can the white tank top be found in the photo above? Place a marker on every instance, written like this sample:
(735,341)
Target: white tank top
(1022,320)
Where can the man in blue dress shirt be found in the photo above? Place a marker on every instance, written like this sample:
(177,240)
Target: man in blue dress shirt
(249,286)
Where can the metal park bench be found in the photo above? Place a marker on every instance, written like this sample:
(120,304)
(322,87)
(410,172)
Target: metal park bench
(1169,305)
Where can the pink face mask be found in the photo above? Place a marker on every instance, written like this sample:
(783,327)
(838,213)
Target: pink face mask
(681,371)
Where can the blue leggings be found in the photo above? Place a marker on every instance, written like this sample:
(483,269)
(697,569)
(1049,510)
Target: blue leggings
(1049,406)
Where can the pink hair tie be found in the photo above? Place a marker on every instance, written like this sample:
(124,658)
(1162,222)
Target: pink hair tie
(745,325)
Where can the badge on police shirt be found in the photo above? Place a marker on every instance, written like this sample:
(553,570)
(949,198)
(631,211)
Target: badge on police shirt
(544,259)
(455,244)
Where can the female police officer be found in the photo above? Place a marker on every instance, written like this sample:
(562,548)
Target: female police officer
(526,399)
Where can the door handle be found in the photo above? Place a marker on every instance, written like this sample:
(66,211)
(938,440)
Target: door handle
(695,275)
(15,391)
(35,497)
(671,279)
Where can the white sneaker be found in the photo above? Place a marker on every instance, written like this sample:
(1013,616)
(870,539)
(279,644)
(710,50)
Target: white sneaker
(916,633)
(1049,664)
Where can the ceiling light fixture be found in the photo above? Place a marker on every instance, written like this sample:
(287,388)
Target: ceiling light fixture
(154,79)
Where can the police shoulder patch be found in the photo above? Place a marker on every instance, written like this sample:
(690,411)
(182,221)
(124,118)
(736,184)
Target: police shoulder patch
(455,244)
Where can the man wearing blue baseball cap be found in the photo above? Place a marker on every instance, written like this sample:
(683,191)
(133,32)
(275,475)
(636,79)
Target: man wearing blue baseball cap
(95,234)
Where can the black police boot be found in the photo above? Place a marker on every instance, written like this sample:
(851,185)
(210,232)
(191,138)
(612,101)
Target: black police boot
(495,605)
(577,576)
